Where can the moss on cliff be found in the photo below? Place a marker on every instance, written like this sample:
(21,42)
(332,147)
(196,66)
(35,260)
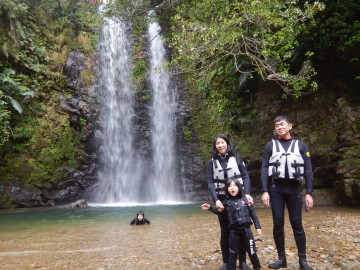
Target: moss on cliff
(42,35)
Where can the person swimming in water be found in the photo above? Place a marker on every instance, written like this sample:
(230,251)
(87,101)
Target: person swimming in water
(140,219)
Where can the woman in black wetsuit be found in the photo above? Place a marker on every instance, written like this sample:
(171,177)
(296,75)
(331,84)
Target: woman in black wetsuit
(226,164)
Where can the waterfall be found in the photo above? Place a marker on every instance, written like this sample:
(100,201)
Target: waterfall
(164,184)
(126,174)
(118,158)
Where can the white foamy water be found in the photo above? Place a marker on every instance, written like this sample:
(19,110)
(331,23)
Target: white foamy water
(121,169)
(123,178)
(164,184)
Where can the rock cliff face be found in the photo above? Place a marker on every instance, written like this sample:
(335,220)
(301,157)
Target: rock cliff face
(83,105)
(192,166)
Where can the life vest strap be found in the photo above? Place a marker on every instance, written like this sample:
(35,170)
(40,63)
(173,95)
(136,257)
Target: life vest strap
(295,165)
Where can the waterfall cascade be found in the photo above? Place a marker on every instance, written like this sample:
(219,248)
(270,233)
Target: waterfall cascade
(123,177)
(163,119)
(116,99)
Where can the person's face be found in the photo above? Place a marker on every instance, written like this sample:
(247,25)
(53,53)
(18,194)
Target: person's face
(221,146)
(233,189)
(282,129)
(140,217)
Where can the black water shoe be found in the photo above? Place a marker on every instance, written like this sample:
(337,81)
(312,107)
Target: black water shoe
(280,263)
(225,266)
(244,266)
(303,264)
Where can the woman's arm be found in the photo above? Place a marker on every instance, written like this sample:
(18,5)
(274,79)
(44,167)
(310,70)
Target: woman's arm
(210,180)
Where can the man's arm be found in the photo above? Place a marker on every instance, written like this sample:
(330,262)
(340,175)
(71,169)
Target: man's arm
(265,199)
(265,165)
(308,175)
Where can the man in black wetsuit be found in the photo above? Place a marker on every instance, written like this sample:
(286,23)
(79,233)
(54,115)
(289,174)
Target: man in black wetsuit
(286,162)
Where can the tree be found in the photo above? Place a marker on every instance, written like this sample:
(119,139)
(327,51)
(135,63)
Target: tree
(258,36)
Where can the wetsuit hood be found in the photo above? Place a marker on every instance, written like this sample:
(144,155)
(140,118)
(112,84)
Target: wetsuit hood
(140,213)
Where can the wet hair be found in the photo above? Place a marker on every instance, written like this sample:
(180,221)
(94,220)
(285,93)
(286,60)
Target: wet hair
(282,117)
(239,185)
(140,213)
(230,149)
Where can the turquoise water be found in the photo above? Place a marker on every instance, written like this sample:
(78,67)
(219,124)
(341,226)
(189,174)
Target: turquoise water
(18,219)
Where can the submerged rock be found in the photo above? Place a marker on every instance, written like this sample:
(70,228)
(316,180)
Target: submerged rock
(79,204)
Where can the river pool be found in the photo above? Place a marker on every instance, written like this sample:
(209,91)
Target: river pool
(180,236)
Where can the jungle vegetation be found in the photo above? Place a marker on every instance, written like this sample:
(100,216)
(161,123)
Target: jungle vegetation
(225,48)
(36,38)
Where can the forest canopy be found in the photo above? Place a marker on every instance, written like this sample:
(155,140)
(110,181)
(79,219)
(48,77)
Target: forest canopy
(258,37)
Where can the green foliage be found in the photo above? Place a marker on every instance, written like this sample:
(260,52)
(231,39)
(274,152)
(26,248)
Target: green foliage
(139,70)
(337,30)
(11,87)
(11,90)
(129,10)
(52,145)
(23,132)
(188,135)
(35,39)
(357,125)
(88,23)
(4,123)
(257,37)
(7,201)
(336,34)
(223,48)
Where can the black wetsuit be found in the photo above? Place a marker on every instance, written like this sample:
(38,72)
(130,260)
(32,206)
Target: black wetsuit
(285,191)
(144,221)
(240,234)
(224,237)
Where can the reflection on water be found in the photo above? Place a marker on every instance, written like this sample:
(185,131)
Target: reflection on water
(179,237)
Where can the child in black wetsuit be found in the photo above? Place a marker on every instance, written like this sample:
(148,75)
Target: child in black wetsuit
(240,216)
(140,219)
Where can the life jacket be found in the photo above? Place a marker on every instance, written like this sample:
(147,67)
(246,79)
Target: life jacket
(232,170)
(282,160)
(238,213)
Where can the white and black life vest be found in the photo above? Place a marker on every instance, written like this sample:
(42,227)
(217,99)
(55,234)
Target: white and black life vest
(238,213)
(232,170)
(290,160)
